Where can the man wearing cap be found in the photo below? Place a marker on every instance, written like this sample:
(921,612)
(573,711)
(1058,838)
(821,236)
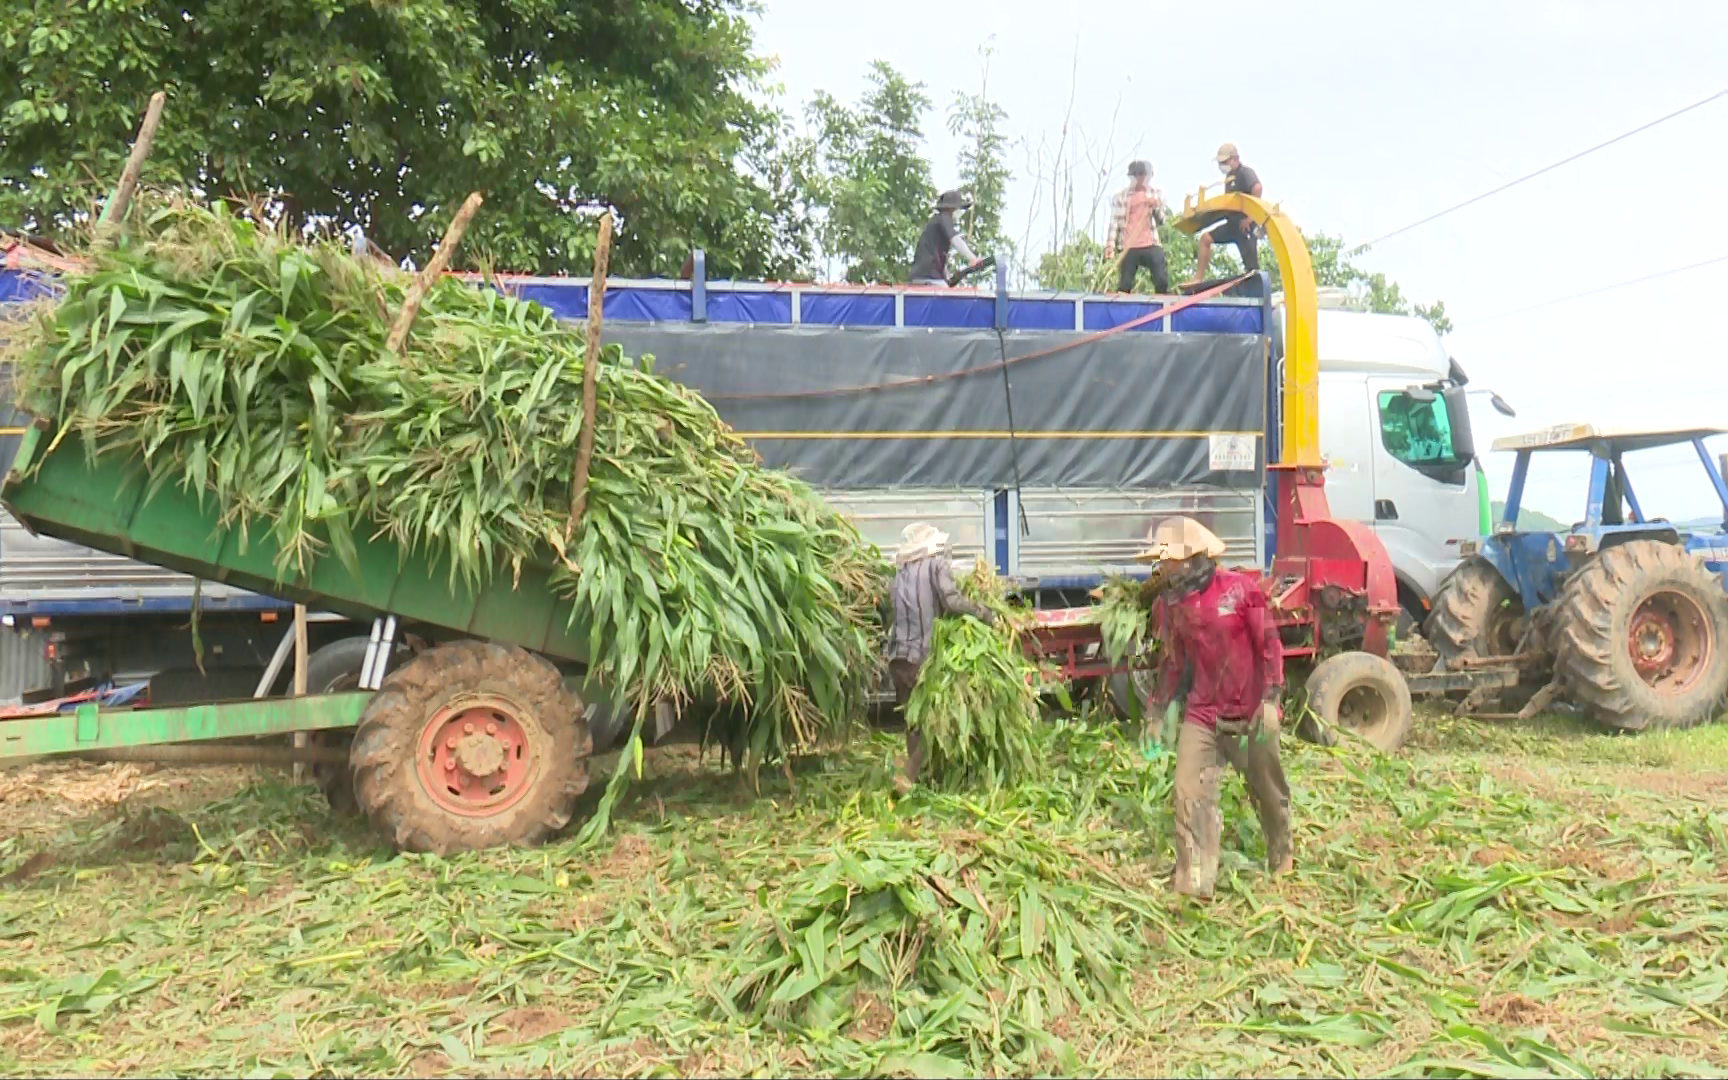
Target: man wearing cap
(1221,654)
(1235,228)
(942,234)
(1135,215)
(923,590)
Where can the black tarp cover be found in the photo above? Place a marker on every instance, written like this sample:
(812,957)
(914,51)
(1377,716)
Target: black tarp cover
(1132,410)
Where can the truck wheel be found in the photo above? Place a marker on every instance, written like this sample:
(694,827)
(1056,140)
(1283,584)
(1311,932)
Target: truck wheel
(1475,614)
(1363,694)
(1641,637)
(471,745)
(331,670)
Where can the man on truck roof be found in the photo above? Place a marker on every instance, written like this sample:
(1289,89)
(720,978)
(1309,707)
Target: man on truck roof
(1224,662)
(942,234)
(1235,228)
(1135,215)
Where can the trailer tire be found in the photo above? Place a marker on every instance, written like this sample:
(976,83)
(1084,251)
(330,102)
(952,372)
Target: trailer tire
(1474,614)
(471,745)
(1360,693)
(1640,637)
(333,669)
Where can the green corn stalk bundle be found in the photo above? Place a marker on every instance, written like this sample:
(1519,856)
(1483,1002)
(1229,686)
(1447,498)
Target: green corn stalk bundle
(976,700)
(252,370)
(1124,619)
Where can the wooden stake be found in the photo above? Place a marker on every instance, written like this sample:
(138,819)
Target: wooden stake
(433,271)
(301,739)
(590,377)
(115,210)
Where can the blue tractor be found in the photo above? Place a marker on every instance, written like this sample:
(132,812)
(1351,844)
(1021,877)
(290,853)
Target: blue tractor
(1625,615)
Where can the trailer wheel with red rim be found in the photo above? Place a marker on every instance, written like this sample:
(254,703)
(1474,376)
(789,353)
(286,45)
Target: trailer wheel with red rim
(1640,637)
(333,669)
(471,745)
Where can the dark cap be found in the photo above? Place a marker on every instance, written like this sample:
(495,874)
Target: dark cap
(953,200)
(1139,168)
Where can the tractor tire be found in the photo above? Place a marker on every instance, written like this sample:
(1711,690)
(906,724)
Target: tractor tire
(471,745)
(1640,637)
(1474,614)
(332,670)
(1360,693)
(1128,693)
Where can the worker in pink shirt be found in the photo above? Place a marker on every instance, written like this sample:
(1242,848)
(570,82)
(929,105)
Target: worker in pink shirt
(1135,215)
(1223,660)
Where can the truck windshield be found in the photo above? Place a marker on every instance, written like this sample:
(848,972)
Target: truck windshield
(1419,433)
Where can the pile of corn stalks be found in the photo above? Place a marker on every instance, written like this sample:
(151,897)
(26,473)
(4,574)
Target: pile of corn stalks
(254,370)
(977,696)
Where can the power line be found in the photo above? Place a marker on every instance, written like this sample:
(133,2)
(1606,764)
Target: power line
(1671,271)
(1700,103)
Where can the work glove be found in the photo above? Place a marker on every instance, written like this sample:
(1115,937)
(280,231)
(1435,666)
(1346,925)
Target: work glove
(1154,746)
(1266,724)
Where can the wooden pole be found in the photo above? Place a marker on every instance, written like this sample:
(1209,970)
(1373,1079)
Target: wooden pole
(302,739)
(590,377)
(114,211)
(433,271)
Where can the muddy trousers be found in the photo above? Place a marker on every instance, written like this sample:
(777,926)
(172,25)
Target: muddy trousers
(905,676)
(1201,756)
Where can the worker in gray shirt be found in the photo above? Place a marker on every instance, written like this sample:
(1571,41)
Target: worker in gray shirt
(923,590)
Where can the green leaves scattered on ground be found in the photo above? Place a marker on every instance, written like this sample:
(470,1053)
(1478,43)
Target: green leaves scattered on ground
(1506,914)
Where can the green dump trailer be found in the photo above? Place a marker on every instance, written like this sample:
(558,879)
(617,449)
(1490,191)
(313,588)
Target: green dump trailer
(474,742)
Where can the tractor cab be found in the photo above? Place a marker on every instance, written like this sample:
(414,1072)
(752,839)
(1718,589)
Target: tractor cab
(1535,561)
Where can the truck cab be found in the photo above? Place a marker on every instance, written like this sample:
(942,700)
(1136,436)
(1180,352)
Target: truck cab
(1395,432)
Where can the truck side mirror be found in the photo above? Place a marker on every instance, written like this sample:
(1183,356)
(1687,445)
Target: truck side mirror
(1458,414)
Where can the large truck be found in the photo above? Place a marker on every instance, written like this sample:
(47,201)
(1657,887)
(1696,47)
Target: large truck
(1050,449)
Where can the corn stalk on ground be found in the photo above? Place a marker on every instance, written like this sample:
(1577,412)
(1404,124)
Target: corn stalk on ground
(1501,901)
(252,370)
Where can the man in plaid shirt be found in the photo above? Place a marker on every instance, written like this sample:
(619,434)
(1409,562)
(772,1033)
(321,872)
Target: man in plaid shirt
(1135,215)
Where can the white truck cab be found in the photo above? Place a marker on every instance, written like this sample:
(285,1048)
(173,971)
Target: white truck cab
(1395,432)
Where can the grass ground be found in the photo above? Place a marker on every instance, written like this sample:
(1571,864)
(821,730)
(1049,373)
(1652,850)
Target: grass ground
(1496,901)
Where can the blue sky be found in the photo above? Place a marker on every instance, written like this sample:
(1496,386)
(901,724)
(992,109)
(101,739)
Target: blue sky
(1364,115)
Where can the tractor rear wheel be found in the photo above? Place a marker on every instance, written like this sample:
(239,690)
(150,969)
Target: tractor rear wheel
(1640,637)
(1475,614)
(471,745)
(1360,693)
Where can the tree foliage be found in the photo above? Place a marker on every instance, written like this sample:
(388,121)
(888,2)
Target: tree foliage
(983,166)
(873,183)
(385,115)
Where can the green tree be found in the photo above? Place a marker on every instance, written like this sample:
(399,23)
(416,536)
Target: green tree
(873,185)
(983,167)
(385,115)
(1334,268)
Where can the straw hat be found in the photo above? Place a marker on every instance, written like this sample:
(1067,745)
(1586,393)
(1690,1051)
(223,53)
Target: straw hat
(1180,538)
(919,540)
